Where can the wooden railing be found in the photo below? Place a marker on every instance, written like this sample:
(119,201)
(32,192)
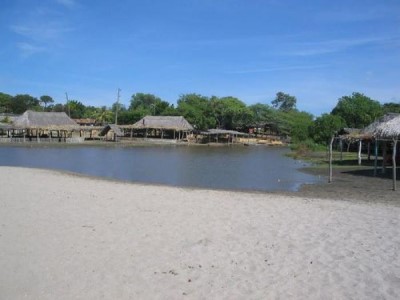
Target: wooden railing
(41,140)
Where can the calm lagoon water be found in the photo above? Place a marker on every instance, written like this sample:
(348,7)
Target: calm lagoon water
(256,168)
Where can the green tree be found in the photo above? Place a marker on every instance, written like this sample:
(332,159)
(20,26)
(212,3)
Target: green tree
(358,110)
(295,124)
(261,114)
(143,100)
(197,110)
(5,103)
(391,107)
(76,109)
(170,111)
(230,112)
(325,126)
(284,102)
(104,116)
(150,104)
(46,100)
(58,107)
(22,103)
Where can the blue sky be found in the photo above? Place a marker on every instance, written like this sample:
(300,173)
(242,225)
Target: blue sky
(316,50)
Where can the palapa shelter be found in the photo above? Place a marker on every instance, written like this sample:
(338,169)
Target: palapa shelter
(175,127)
(115,131)
(390,130)
(47,125)
(221,134)
(385,129)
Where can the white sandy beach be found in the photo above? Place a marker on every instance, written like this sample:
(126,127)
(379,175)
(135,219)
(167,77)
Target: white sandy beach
(71,237)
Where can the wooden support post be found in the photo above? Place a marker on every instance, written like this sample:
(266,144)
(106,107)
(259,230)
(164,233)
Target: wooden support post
(330,159)
(384,158)
(394,163)
(359,152)
(341,149)
(369,150)
(376,157)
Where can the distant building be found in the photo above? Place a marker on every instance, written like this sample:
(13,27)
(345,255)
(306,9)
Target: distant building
(86,122)
(172,127)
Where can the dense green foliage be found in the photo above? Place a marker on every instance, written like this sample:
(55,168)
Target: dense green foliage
(325,126)
(358,110)
(281,117)
(284,102)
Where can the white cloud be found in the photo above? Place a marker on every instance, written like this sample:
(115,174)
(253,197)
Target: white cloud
(332,46)
(29,49)
(283,68)
(40,32)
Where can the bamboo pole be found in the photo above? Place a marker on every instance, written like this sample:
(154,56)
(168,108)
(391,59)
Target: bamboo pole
(330,159)
(394,163)
(376,158)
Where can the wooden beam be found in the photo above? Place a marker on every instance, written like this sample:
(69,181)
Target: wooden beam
(330,159)
(376,158)
(394,163)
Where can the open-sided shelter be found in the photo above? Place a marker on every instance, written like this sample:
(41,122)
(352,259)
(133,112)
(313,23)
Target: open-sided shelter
(385,129)
(176,127)
(111,132)
(47,125)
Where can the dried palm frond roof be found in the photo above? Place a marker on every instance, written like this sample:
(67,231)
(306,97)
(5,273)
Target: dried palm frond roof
(45,120)
(222,131)
(389,129)
(371,129)
(350,134)
(5,126)
(112,127)
(163,122)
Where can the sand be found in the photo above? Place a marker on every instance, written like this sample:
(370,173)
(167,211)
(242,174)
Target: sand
(64,236)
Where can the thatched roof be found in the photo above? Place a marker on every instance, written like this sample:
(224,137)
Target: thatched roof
(389,129)
(45,120)
(112,127)
(5,126)
(382,128)
(86,121)
(222,131)
(351,134)
(371,129)
(163,122)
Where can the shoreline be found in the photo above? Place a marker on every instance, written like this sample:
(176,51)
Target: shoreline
(352,183)
(65,236)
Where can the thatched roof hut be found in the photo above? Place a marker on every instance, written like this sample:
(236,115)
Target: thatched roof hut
(374,129)
(177,123)
(389,129)
(350,134)
(45,120)
(5,126)
(113,127)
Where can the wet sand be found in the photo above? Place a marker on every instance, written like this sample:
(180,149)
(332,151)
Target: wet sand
(64,236)
(354,183)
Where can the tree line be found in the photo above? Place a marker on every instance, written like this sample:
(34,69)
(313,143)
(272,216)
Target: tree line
(281,115)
